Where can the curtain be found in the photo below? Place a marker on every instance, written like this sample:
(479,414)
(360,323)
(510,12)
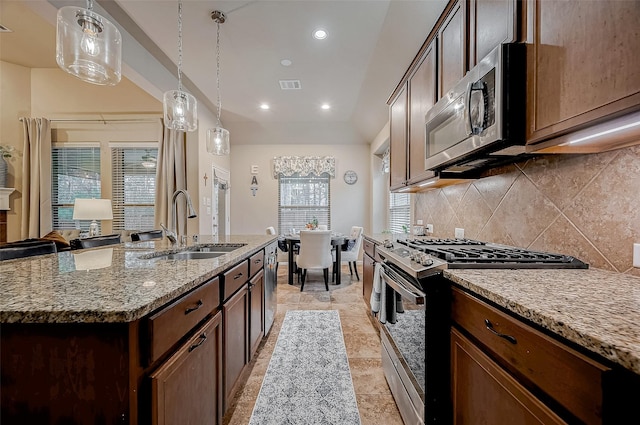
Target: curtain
(36,178)
(171,175)
(303,166)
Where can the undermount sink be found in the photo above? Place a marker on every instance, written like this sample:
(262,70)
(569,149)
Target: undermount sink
(191,255)
(216,247)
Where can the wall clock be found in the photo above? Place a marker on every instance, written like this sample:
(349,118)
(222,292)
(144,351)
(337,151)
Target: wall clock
(350,177)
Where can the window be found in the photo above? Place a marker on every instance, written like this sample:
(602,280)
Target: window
(399,212)
(301,199)
(75,173)
(133,187)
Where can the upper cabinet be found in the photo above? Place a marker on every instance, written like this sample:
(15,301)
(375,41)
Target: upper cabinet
(452,63)
(422,96)
(583,68)
(491,22)
(398,139)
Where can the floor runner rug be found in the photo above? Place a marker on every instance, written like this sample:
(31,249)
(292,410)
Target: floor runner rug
(308,380)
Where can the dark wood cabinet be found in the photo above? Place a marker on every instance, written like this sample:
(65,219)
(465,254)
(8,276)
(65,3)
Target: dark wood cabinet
(398,140)
(186,388)
(491,23)
(452,49)
(368,269)
(483,393)
(235,320)
(422,96)
(256,314)
(583,64)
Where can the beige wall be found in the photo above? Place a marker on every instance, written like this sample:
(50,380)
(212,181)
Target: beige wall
(587,206)
(252,215)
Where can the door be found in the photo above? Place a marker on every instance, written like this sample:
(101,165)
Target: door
(235,336)
(452,51)
(398,140)
(482,392)
(220,201)
(186,388)
(256,314)
(491,22)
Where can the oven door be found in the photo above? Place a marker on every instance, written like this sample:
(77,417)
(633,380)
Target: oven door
(403,339)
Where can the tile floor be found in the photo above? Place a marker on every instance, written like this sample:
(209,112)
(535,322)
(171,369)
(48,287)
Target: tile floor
(375,402)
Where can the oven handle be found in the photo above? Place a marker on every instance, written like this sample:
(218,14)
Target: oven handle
(416,297)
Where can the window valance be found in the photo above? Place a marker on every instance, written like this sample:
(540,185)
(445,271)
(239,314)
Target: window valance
(304,166)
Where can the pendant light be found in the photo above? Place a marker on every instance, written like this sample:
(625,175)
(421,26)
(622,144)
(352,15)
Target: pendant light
(180,107)
(218,137)
(88,46)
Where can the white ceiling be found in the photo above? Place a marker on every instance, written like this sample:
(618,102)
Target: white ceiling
(369,47)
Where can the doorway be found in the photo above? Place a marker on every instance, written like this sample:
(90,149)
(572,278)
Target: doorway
(221,200)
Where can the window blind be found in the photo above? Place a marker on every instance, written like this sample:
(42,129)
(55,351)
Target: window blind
(399,211)
(301,199)
(75,173)
(133,188)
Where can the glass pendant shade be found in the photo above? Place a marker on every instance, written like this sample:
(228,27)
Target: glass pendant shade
(180,111)
(88,46)
(218,141)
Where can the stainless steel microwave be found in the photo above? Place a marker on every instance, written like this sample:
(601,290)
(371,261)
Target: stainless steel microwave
(481,120)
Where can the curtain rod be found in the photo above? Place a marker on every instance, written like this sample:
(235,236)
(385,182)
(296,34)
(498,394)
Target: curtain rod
(105,121)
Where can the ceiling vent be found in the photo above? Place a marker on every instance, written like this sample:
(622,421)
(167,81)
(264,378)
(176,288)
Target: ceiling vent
(290,84)
(4,29)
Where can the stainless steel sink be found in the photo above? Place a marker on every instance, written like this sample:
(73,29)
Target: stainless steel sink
(216,247)
(191,255)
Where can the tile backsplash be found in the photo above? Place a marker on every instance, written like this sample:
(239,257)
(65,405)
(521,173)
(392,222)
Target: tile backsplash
(587,206)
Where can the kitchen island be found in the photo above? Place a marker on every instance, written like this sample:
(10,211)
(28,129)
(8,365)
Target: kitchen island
(112,337)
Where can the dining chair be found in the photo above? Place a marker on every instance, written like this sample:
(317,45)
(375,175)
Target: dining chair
(146,236)
(353,251)
(315,253)
(95,241)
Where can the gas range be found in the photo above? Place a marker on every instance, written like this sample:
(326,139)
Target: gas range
(472,254)
(421,257)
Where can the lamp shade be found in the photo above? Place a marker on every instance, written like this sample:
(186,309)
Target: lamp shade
(88,46)
(218,141)
(180,111)
(92,209)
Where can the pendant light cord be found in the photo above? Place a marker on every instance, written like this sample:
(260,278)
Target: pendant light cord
(218,70)
(180,45)
(90,5)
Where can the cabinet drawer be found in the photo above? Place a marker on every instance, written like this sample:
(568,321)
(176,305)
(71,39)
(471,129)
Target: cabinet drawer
(169,325)
(234,278)
(572,379)
(369,248)
(256,262)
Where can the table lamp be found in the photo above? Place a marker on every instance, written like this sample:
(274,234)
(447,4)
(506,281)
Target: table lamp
(92,209)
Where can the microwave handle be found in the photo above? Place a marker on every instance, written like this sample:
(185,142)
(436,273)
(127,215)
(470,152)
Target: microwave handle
(480,86)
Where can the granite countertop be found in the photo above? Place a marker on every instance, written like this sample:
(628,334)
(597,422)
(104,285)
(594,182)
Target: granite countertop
(596,309)
(50,289)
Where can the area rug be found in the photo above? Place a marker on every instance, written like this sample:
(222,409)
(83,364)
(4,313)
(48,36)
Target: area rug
(308,380)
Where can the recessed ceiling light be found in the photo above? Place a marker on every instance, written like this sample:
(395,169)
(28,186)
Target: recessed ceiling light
(264,106)
(325,106)
(320,34)
(285,62)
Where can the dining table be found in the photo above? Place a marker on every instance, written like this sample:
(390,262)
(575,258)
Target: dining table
(337,241)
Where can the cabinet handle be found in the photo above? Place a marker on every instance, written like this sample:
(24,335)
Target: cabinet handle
(257,261)
(493,331)
(190,309)
(238,276)
(203,337)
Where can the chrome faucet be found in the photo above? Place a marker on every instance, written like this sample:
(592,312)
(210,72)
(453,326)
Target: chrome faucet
(172,234)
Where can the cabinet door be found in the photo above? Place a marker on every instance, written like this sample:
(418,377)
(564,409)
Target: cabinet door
(583,64)
(483,393)
(235,315)
(368,266)
(398,140)
(186,388)
(452,52)
(422,96)
(256,314)
(491,23)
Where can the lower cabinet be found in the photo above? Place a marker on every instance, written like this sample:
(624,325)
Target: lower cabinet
(256,315)
(235,322)
(483,393)
(186,388)
(368,266)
